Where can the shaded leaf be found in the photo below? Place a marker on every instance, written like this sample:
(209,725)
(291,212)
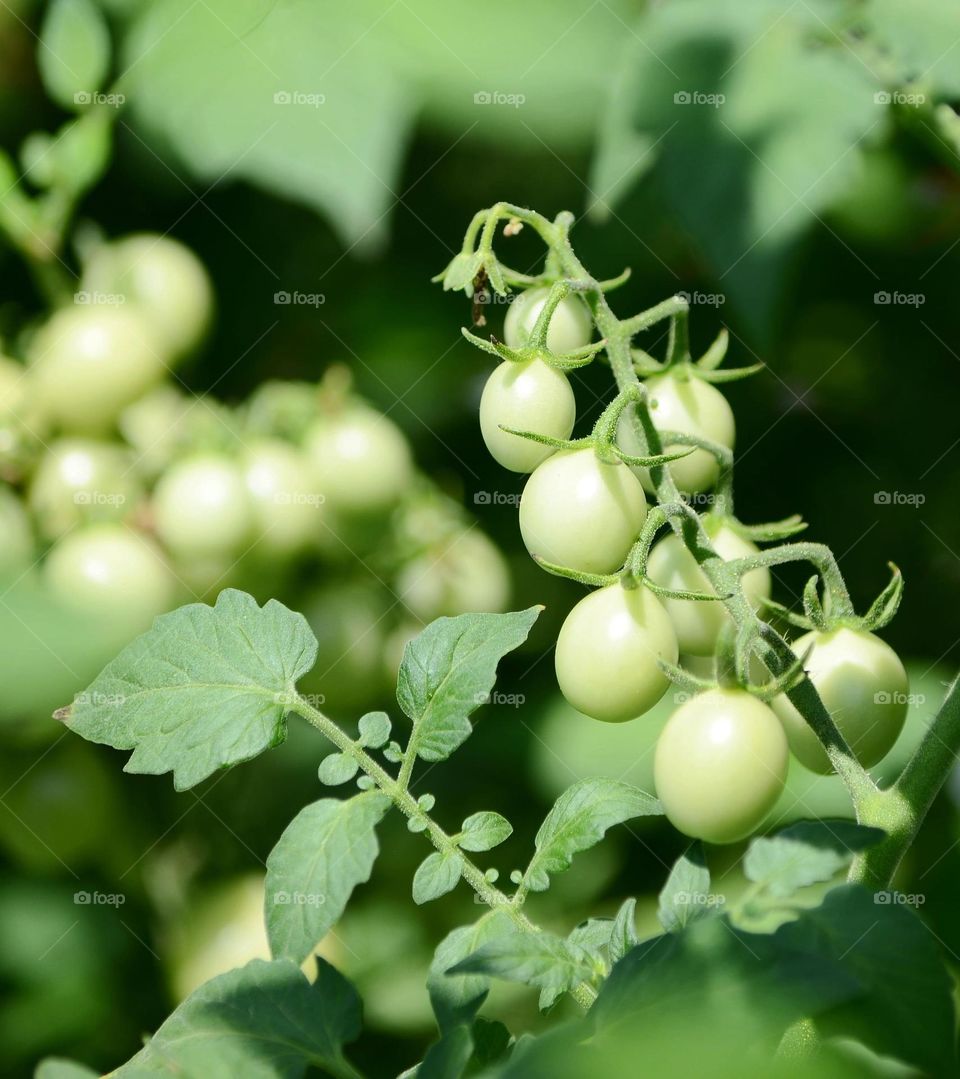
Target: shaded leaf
(684,897)
(324,853)
(456,997)
(447,672)
(541,960)
(579,819)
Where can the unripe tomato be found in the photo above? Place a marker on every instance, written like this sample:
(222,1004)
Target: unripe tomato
(16,540)
(163,278)
(608,650)
(13,389)
(155,425)
(862,684)
(671,565)
(580,512)
(201,508)
(112,573)
(360,459)
(87,363)
(280,484)
(720,765)
(571,326)
(530,396)
(465,572)
(82,479)
(690,406)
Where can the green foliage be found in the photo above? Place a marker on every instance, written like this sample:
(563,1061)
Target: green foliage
(537,959)
(807,852)
(325,851)
(436,875)
(264,1020)
(457,997)
(483,831)
(579,819)
(684,897)
(448,671)
(205,688)
(74,53)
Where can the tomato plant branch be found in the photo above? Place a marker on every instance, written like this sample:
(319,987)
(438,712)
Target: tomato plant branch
(396,790)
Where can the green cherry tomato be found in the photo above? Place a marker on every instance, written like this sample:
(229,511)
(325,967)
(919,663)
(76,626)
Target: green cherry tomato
(570,327)
(88,362)
(464,572)
(112,573)
(580,512)
(201,508)
(862,684)
(720,765)
(82,479)
(697,622)
(361,460)
(607,653)
(16,539)
(531,396)
(280,484)
(692,407)
(160,276)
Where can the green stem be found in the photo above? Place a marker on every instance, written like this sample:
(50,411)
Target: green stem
(397,791)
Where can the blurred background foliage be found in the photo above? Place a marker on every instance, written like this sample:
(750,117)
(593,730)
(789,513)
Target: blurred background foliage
(787,166)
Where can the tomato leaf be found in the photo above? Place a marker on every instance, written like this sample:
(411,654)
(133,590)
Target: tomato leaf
(541,960)
(262,1021)
(59,1068)
(579,819)
(74,53)
(684,897)
(436,875)
(337,768)
(447,672)
(324,853)
(484,831)
(457,997)
(206,687)
(808,852)
(623,935)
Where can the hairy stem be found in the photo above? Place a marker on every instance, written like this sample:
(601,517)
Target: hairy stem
(397,790)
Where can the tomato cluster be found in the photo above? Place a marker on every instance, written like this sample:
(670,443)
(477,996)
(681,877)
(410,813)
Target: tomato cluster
(721,761)
(124,495)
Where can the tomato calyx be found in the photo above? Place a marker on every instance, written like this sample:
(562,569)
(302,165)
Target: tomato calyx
(562,361)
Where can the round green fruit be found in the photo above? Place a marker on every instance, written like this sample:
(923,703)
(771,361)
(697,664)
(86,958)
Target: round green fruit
(201,508)
(720,765)
(863,686)
(608,652)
